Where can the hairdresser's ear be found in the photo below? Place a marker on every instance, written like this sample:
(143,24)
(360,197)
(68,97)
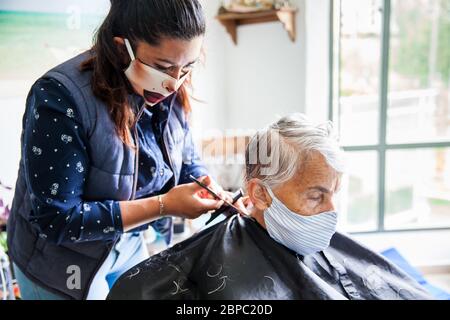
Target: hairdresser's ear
(120,45)
(258,195)
(119,41)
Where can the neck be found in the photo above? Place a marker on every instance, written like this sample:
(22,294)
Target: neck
(258,215)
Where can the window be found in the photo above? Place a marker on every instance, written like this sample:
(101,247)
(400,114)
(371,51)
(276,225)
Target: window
(391,104)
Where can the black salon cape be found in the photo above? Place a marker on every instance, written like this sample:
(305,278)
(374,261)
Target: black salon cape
(237,259)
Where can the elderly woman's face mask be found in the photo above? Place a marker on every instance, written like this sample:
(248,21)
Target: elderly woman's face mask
(302,234)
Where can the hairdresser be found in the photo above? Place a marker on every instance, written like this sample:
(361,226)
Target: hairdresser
(106,151)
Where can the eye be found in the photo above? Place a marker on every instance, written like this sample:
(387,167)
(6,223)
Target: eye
(315,197)
(189,67)
(161,68)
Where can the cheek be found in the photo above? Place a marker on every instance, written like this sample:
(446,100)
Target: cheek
(311,208)
(139,71)
(304,207)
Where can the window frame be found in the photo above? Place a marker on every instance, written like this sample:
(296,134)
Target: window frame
(382,147)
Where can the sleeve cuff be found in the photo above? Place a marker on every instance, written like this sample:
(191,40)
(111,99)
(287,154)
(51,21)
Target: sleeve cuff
(117,217)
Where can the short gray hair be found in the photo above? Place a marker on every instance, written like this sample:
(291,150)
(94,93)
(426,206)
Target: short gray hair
(287,144)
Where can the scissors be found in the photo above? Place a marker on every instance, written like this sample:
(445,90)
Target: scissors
(236,196)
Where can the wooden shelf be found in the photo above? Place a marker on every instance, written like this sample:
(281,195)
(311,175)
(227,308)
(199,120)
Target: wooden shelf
(231,21)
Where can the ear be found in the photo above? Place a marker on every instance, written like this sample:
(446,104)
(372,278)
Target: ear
(122,50)
(120,45)
(119,41)
(258,194)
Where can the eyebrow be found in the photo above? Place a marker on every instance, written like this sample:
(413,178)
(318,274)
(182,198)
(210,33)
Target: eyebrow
(320,188)
(173,63)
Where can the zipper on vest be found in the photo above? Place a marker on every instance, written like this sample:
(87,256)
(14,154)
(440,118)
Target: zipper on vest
(136,158)
(164,144)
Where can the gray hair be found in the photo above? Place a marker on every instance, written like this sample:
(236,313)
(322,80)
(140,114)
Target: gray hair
(277,152)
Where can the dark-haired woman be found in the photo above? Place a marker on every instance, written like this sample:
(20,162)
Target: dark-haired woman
(107,150)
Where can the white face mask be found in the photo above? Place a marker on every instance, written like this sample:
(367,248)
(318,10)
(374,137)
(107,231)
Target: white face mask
(302,234)
(148,82)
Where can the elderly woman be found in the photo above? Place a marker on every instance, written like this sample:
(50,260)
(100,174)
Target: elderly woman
(286,247)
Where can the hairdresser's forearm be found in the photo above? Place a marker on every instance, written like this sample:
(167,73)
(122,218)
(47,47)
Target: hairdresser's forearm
(138,212)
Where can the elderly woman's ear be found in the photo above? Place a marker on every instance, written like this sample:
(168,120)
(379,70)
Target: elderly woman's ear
(258,194)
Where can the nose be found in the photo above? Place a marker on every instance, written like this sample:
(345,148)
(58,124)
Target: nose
(330,206)
(170,85)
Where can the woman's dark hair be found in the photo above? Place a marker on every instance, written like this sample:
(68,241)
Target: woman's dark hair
(137,20)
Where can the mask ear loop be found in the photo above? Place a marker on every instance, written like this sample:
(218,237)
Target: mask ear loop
(184,77)
(180,81)
(129,49)
(269,190)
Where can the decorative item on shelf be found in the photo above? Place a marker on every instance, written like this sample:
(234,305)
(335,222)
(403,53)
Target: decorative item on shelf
(280,4)
(246,6)
(234,13)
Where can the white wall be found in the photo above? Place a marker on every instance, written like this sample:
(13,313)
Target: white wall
(210,80)
(12,108)
(266,75)
(317,59)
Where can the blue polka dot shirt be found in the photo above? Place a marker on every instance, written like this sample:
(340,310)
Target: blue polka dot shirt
(56,163)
